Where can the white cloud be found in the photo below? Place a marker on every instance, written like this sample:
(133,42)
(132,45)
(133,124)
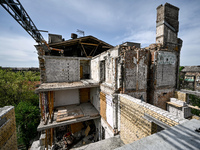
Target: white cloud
(17,50)
(143,37)
(113,21)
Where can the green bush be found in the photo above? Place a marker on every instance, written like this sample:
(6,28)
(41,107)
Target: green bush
(27,120)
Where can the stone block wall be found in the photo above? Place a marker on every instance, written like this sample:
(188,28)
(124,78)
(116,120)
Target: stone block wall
(8,135)
(134,125)
(181,96)
(59,69)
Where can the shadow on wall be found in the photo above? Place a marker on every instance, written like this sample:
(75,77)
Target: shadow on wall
(181,137)
(133,124)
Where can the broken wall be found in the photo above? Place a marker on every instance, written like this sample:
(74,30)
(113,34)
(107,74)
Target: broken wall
(167,25)
(109,59)
(8,135)
(163,76)
(133,122)
(181,96)
(136,66)
(166,69)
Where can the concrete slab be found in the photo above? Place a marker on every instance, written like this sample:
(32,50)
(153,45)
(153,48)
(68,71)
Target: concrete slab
(35,145)
(182,136)
(89,113)
(87,83)
(88,110)
(107,144)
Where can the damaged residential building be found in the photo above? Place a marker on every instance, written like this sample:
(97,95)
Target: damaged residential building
(92,91)
(190,76)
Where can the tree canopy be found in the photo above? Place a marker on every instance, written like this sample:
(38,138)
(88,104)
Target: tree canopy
(17,89)
(17,86)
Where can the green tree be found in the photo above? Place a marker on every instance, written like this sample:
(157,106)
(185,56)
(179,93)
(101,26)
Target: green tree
(17,89)
(195,101)
(17,86)
(27,120)
(180,77)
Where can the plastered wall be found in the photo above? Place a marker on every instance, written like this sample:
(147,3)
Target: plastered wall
(166,69)
(94,97)
(136,69)
(134,125)
(107,109)
(66,97)
(109,57)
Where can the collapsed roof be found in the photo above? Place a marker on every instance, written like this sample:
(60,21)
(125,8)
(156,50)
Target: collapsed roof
(87,46)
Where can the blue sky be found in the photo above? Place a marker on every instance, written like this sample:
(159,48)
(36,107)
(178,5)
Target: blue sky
(113,21)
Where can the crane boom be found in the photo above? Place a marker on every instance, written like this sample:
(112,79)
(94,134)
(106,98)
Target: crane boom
(17,11)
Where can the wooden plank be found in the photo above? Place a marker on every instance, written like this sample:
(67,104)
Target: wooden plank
(81,72)
(103,105)
(89,44)
(67,115)
(176,105)
(84,50)
(52,105)
(51,136)
(75,127)
(194,107)
(84,95)
(49,101)
(68,118)
(41,106)
(95,50)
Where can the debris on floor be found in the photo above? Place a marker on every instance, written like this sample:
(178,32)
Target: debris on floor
(75,135)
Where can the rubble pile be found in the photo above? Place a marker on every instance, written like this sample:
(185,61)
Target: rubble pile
(75,135)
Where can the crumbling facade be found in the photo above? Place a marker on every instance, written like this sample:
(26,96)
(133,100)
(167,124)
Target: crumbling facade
(68,97)
(95,79)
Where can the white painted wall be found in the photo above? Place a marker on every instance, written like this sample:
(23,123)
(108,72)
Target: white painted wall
(67,97)
(95,70)
(109,110)
(94,97)
(95,64)
(108,131)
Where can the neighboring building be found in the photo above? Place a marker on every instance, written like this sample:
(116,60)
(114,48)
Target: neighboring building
(190,76)
(110,87)
(8,135)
